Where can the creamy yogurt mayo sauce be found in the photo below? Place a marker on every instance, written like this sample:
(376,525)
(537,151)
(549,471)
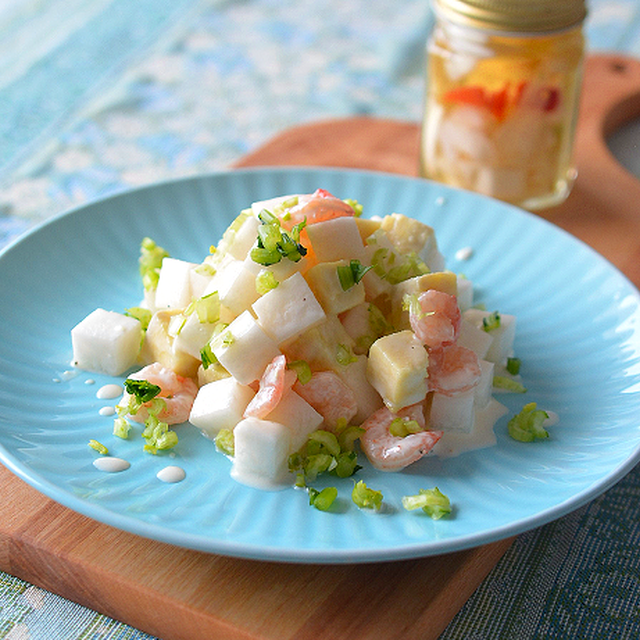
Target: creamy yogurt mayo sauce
(171,474)
(111,464)
(109,391)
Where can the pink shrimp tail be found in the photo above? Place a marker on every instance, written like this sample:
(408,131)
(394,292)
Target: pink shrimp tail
(275,381)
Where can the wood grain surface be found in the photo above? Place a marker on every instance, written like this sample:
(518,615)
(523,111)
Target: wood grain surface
(178,594)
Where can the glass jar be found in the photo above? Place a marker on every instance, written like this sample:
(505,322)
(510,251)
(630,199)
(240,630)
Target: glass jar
(503,88)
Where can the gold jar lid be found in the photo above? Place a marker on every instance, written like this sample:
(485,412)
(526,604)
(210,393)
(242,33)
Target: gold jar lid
(521,16)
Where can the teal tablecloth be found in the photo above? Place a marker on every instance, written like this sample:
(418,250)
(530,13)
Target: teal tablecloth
(100,95)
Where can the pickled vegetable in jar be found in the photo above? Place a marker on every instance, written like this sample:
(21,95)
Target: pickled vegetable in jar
(503,87)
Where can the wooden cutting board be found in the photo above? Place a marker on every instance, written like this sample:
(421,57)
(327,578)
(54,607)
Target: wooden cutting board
(178,594)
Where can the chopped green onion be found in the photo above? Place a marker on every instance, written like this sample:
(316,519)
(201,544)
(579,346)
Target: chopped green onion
(265,257)
(513,366)
(265,282)
(302,369)
(377,322)
(491,322)
(410,267)
(99,447)
(351,274)
(526,426)
(150,262)
(296,230)
(207,356)
(366,498)
(344,355)
(142,390)
(225,442)
(508,384)
(432,501)
(377,261)
(274,243)
(322,500)
(143,316)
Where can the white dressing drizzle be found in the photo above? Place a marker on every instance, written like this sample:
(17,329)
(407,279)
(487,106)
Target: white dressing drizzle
(171,474)
(109,391)
(111,464)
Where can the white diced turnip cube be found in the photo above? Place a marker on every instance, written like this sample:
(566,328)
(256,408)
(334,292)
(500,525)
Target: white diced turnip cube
(261,455)
(236,287)
(191,335)
(354,375)
(337,239)
(484,388)
(220,405)
(357,324)
(298,416)
(244,349)
(465,293)
(502,336)
(452,413)
(239,236)
(289,309)
(200,278)
(473,337)
(106,342)
(174,284)
(271,205)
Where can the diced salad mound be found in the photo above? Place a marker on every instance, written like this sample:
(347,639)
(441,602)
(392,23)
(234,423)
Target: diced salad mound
(306,329)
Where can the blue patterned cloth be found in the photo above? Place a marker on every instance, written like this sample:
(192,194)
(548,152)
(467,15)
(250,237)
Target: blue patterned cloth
(98,96)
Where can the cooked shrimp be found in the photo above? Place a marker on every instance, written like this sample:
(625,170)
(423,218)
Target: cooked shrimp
(329,396)
(438,323)
(453,369)
(317,207)
(392,453)
(177,392)
(275,380)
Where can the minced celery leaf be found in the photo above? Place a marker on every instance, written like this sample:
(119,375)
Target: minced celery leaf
(142,315)
(265,282)
(99,447)
(432,501)
(322,500)
(491,322)
(366,498)
(225,442)
(142,390)
(302,369)
(508,384)
(150,261)
(526,426)
(344,355)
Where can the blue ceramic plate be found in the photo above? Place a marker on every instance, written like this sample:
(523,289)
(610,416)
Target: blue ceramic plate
(578,338)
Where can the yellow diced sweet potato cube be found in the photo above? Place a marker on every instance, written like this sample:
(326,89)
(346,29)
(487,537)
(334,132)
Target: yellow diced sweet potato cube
(397,369)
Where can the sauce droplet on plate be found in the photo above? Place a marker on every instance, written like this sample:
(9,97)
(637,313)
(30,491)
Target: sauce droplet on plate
(171,473)
(109,391)
(111,464)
